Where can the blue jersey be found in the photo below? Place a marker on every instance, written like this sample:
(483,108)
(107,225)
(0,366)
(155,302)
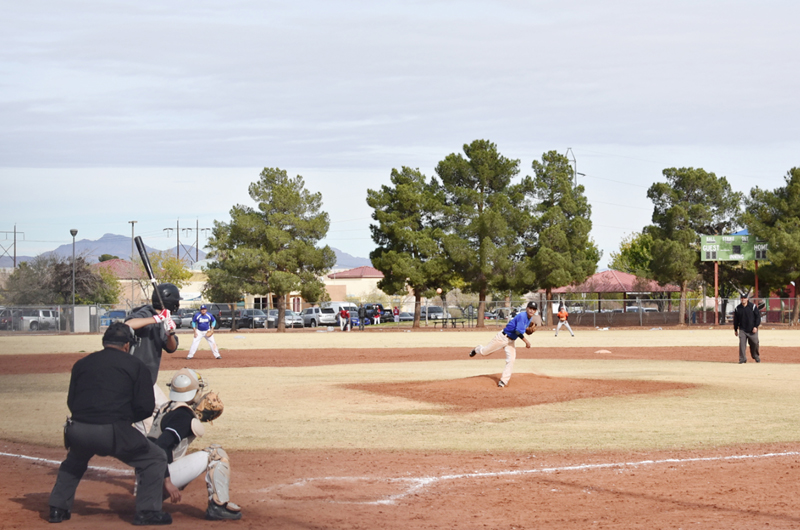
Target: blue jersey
(516,327)
(203,322)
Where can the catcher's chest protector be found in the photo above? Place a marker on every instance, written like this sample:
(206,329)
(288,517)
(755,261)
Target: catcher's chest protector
(197,428)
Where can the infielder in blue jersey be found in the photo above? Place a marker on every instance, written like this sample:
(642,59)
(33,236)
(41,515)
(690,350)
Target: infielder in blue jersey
(203,323)
(515,329)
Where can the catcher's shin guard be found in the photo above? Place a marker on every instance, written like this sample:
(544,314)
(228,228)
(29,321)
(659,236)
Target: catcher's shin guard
(218,477)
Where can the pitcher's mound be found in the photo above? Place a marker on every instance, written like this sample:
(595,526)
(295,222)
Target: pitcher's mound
(481,392)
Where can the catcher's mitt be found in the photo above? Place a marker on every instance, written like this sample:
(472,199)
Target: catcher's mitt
(209,407)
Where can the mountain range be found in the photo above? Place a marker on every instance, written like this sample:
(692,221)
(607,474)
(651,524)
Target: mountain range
(117,245)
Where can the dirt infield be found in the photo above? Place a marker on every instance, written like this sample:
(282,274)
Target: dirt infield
(690,485)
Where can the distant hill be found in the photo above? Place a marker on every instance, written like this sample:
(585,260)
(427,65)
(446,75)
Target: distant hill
(346,261)
(120,246)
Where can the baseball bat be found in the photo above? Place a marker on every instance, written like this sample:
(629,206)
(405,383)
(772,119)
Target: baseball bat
(147,267)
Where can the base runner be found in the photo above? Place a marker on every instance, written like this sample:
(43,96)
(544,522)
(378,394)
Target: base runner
(516,328)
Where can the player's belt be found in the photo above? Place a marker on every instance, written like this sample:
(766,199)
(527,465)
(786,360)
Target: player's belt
(509,336)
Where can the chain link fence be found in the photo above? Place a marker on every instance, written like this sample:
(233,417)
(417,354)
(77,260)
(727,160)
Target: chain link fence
(602,313)
(57,318)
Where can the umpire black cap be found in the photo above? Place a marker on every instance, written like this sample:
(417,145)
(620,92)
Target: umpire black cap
(119,333)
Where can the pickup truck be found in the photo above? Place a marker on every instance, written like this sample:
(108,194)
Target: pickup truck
(222,314)
(36,319)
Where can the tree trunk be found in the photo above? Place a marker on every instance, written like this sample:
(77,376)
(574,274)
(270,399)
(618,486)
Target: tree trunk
(481,323)
(545,311)
(796,310)
(682,304)
(417,308)
(234,322)
(281,324)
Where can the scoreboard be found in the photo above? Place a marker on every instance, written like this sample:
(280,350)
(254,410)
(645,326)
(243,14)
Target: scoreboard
(732,248)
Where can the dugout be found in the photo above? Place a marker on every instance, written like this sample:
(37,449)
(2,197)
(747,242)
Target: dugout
(643,302)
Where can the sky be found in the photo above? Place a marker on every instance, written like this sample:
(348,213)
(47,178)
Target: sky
(165,112)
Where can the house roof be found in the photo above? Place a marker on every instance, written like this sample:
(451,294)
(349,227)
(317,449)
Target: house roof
(358,272)
(122,269)
(612,281)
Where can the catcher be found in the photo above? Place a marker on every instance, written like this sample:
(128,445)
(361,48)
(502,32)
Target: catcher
(176,425)
(517,328)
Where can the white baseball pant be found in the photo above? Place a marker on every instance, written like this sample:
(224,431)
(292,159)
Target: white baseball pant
(501,341)
(564,323)
(199,336)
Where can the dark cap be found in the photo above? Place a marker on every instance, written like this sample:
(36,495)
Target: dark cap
(532,305)
(744,295)
(119,333)
(203,306)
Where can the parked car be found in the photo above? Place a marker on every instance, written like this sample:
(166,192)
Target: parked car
(406,316)
(36,319)
(636,309)
(186,316)
(251,318)
(116,315)
(327,316)
(7,316)
(222,314)
(432,312)
(290,319)
(311,316)
(330,312)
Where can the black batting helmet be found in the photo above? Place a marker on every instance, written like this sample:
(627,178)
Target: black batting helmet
(170,295)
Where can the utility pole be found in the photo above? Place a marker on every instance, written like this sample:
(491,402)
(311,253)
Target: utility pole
(131,272)
(187,251)
(13,244)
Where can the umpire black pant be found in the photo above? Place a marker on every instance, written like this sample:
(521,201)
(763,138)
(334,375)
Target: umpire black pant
(86,440)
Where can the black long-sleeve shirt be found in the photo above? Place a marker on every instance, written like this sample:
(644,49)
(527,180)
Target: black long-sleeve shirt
(746,317)
(109,386)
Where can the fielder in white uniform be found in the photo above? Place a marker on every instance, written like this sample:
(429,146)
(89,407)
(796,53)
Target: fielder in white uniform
(203,324)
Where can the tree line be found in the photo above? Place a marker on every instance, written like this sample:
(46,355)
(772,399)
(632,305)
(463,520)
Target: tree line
(692,203)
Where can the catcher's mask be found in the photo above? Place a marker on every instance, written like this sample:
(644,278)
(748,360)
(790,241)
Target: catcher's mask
(185,385)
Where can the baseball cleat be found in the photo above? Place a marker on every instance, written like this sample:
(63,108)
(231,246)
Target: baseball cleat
(215,512)
(59,514)
(472,353)
(501,384)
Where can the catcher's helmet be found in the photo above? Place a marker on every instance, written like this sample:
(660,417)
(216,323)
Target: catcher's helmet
(170,295)
(185,385)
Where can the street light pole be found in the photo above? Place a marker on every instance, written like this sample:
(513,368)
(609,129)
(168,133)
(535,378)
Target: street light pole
(74,233)
(131,269)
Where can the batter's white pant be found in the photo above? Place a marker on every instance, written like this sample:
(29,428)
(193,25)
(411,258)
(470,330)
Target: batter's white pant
(501,341)
(199,336)
(564,323)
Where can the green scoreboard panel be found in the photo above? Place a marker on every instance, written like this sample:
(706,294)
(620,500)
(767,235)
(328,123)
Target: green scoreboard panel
(732,248)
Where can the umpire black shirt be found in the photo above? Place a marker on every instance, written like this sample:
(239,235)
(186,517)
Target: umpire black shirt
(109,386)
(746,317)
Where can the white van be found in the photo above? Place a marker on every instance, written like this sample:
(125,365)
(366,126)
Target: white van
(330,311)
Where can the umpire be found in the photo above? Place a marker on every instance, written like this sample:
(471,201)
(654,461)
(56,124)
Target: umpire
(746,319)
(108,391)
